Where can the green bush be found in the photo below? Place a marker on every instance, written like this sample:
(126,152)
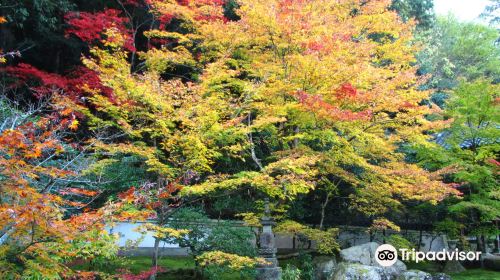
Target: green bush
(291,273)
(306,266)
(449,227)
(399,242)
(205,236)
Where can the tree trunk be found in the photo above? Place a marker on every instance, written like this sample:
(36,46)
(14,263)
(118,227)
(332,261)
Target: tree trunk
(407,225)
(58,61)
(433,237)
(155,257)
(497,244)
(480,247)
(252,146)
(479,244)
(420,236)
(323,207)
(485,245)
(155,252)
(296,130)
(497,241)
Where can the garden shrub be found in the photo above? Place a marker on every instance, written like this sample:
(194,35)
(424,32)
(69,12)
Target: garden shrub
(291,273)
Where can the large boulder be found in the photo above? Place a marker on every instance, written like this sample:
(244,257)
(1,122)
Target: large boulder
(414,275)
(451,267)
(441,276)
(324,267)
(356,271)
(365,254)
(492,262)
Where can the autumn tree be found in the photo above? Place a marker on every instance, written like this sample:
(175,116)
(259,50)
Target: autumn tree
(321,91)
(280,89)
(37,234)
(47,215)
(163,122)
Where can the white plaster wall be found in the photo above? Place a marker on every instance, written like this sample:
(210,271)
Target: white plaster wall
(127,232)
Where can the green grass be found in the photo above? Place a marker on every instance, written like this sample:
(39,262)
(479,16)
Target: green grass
(178,268)
(431,267)
(477,274)
(470,274)
(137,264)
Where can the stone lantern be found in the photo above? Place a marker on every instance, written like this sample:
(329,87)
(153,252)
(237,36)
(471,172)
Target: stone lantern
(267,249)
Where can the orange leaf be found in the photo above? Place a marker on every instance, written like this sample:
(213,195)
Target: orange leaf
(74,125)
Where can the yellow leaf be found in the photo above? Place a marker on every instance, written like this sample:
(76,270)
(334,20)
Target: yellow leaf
(74,125)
